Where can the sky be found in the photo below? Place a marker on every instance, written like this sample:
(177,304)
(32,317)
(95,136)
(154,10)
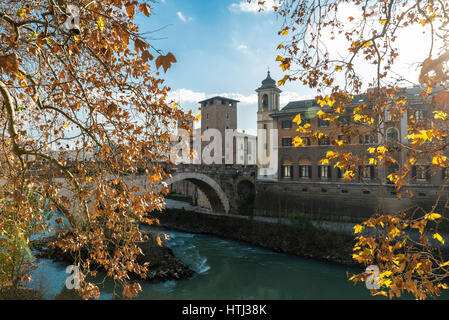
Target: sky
(223,47)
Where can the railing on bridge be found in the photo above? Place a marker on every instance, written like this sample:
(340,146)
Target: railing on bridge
(227,169)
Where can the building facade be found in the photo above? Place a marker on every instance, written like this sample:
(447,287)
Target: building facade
(302,184)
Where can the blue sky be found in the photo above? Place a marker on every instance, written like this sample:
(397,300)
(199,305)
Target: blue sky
(223,47)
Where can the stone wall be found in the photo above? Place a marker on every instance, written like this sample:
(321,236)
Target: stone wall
(333,201)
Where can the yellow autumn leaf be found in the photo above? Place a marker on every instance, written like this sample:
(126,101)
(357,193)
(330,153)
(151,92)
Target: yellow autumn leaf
(297,141)
(438,237)
(443,286)
(297,119)
(100,24)
(432,216)
(382,149)
(349,175)
(279,58)
(366,44)
(358,228)
(439,160)
(440,115)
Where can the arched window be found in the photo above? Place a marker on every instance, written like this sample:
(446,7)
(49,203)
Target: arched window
(305,168)
(392,137)
(286,169)
(265,103)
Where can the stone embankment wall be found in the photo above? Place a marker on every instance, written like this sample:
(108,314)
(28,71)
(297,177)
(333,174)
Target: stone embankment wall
(300,238)
(333,201)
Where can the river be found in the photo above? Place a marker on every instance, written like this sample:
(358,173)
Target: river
(228,270)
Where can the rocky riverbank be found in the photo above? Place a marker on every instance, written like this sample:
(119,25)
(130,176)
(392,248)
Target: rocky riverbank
(21,293)
(163,263)
(300,239)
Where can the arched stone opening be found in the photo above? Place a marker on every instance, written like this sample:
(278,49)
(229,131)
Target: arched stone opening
(216,196)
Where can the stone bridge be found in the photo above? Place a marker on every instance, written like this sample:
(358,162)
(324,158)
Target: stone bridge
(228,188)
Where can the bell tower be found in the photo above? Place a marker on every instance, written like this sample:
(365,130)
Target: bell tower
(268,95)
(268,103)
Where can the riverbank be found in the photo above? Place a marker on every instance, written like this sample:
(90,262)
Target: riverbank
(300,238)
(21,293)
(163,265)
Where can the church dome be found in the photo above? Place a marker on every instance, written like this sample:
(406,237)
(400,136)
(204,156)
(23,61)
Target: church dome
(268,82)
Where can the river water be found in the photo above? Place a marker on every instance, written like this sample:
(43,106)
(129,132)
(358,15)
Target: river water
(228,270)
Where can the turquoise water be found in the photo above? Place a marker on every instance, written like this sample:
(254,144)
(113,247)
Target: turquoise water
(228,270)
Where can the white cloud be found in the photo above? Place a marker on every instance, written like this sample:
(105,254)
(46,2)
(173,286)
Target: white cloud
(182,17)
(186,96)
(242,47)
(253,7)
(191,97)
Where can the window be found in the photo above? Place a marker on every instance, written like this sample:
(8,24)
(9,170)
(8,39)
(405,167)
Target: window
(286,124)
(366,172)
(392,137)
(340,173)
(387,114)
(305,171)
(265,102)
(419,115)
(324,172)
(421,172)
(287,142)
(223,101)
(207,116)
(324,141)
(265,126)
(286,171)
(227,116)
(323,123)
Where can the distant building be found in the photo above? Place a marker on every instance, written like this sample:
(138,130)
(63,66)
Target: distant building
(220,113)
(268,103)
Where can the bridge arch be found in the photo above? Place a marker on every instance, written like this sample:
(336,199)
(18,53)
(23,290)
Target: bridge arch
(214,193)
